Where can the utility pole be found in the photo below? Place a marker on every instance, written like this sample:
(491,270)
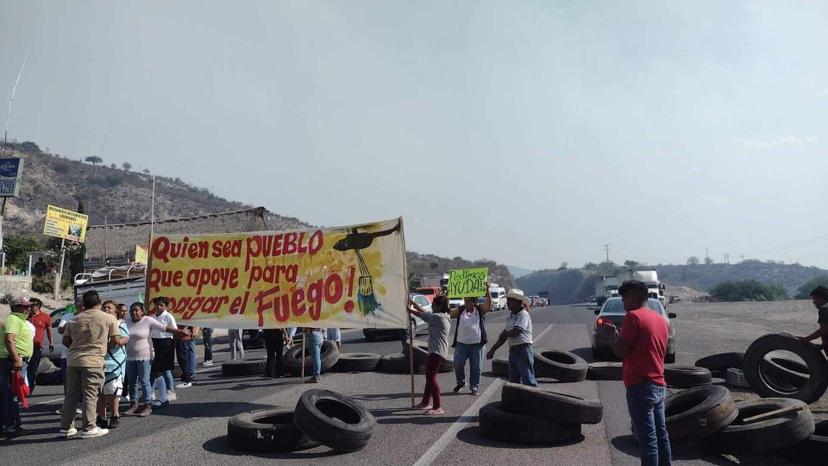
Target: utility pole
(607,250)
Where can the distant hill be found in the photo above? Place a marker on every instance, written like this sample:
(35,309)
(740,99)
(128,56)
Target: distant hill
(576,285)
(518,272)
(428,264)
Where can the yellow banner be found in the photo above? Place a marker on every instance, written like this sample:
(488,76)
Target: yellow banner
(66,224)
(141,255)
(349,277)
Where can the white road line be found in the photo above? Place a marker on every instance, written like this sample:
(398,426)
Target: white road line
(449,435)
(46,402)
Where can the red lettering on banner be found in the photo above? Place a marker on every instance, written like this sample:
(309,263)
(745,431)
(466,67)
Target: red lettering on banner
(165,278)
(282,244)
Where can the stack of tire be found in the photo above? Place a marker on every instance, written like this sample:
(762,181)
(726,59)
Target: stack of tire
(531,416)
(321,417)
(397,363)
(292,361)
(563,366)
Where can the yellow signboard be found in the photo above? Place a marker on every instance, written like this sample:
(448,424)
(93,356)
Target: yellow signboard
(141,255)
(66,224)
(348,277)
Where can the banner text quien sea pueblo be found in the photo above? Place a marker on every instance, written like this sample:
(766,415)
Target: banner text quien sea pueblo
(350,277)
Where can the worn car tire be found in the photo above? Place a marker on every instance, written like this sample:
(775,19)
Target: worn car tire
(687,376)
(49,378)
(293,359)
(242,367)
(561,407)
(736,378)
(420,351)
(563,366)
(500,367)
(768,435)
(699,412)
(517,428)
(760,382)
(812,451)
(718,364)
(394,363)
(357,362)
(792,374)
(605,371)
(334,420)
(266,430)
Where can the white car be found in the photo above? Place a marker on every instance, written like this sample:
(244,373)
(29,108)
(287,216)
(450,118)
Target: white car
(421,327)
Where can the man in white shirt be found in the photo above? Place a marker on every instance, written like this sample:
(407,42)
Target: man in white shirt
(518,331)
(164,349)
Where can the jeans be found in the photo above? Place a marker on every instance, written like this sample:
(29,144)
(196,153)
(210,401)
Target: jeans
(474,353)
(185,351)
(645,401)
(9,409)
(63,372)
(522,365)
(207,336)
(236,345)
(315,340)
(138,372)
(81,383)
(274,344)
(432,385)
(34,363)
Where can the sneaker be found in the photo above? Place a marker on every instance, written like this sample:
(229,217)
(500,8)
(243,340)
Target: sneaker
(114,421)
(159,404)
(474,391)
(184,385)
(144,410)
(68,433)
(171,396)
(207,363)
(101,422)
(459,387)
(94,432)
(133,408)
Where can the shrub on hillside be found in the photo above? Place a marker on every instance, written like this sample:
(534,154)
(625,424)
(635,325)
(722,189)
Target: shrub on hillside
(748,290)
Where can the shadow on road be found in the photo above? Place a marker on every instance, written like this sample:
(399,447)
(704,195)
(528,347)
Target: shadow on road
(207,409)
(219,446)
(472,435)
(627,444)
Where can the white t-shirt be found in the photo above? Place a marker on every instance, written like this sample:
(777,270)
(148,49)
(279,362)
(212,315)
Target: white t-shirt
(65,319)
(468,330)
(168,320)
(522,321)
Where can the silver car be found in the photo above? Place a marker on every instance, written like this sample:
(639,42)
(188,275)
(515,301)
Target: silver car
(603,337)
(371,334)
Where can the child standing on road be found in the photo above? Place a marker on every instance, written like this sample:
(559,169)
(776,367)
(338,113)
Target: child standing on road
(438,330)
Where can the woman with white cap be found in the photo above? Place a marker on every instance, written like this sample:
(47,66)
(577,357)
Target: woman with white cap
(518,331)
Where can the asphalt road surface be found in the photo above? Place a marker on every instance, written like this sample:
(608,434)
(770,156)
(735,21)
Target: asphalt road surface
(192,429)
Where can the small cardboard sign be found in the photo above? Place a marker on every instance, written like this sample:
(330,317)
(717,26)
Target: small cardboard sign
(468,283)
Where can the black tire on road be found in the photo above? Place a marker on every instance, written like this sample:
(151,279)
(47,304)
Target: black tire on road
(334,420)
(500,367)
(394,363)
(605,371)
(812,451)
(768,435)
(718,364)
(563,366)
(420,352)
(687,376)
(517,428)
(765,387)
(561,407)
(357,362)
(699,412)
(293,359)
(786,372)
(242,367)
(266,430)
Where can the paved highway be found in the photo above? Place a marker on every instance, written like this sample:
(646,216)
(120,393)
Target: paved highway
(192,429)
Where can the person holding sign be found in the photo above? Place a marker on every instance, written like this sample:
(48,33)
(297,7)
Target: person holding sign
(470,341)
(438,329)
(518,331)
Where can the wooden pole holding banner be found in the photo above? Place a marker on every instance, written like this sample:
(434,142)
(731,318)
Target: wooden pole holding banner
(411,330)
(302,374)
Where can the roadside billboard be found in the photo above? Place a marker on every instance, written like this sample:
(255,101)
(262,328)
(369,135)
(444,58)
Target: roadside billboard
(66,224)
(348,277)
(11,170)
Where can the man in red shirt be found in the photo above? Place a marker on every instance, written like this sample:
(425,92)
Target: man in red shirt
(43,327)
(642,345)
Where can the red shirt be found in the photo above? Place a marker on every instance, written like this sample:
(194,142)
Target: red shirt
(648,332)
(41,322)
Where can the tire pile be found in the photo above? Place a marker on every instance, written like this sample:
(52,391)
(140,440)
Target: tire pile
(321,417)
(530,416)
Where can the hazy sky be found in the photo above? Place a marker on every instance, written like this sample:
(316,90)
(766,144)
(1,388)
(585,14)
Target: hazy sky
(526,132)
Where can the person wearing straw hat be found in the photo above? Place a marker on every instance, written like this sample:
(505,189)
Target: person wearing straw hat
(518,332)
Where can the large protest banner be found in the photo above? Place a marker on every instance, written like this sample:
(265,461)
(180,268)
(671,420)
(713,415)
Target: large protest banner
(348,277)
(468,283)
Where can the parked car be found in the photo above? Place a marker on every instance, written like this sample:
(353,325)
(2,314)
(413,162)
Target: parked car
(603,338)
(429,292)
(421,327)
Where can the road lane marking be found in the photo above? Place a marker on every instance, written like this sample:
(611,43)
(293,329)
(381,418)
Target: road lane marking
(432,453)
(46,402)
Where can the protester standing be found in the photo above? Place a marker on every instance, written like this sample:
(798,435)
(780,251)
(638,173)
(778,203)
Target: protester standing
(275,340)
(16,347)
(114,365)
(439,324)
(315,338)
(819,296)
(88,337)
(207,340)
(123,310)
(164,349)
(185,353)
(642,345)
(470,341)
(234,336)
(518,332)
(43,329)
(68,316)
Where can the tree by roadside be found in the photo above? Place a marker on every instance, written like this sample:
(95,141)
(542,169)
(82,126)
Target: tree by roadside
(748,290)
(803,291)
(18,248)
